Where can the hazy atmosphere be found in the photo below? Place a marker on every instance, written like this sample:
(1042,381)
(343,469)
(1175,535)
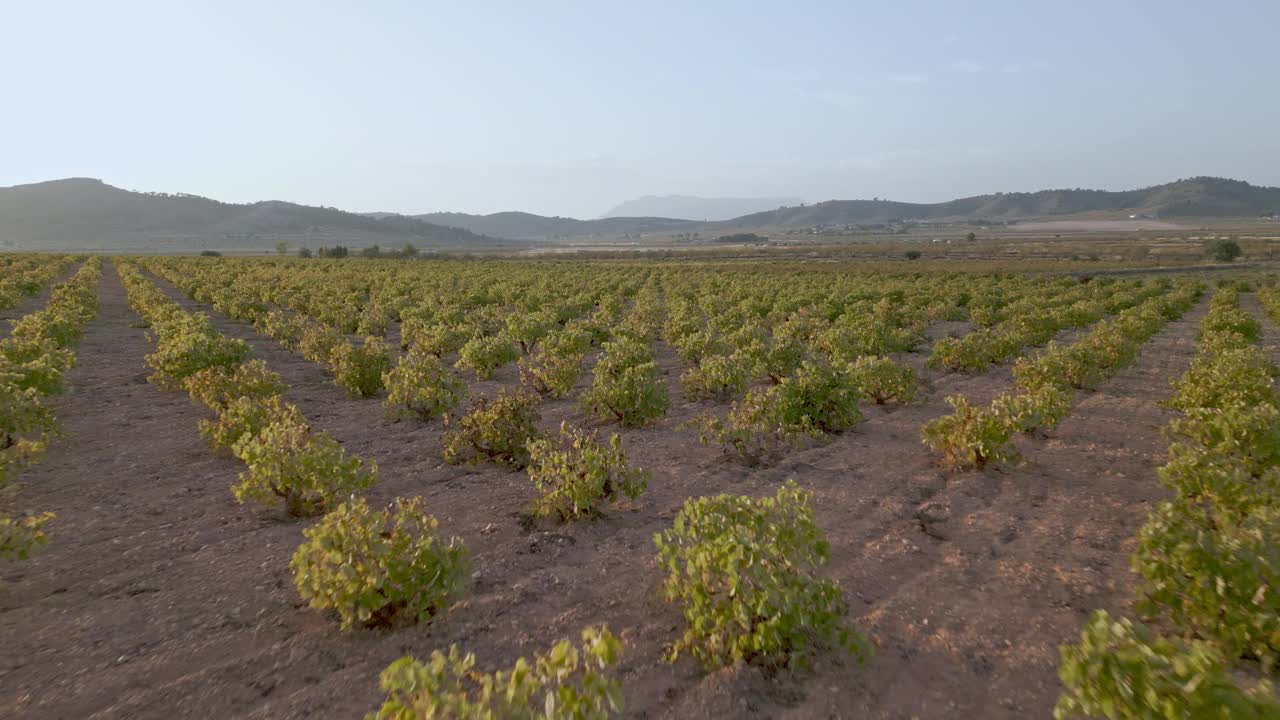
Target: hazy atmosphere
(566,108)
(640,361)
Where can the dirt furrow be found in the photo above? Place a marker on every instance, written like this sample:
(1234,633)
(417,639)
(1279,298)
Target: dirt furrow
(971,602)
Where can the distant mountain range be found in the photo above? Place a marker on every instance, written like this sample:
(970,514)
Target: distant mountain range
(685,207)
(527,226)
(87,214)
(80,213)
(1198,197)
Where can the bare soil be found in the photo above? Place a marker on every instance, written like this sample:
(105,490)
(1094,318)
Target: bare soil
(160,597)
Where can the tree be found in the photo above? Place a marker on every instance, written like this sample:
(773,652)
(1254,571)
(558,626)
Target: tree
(282,248)
(912,254)
(409,250)
(971,236)
(372,251)
(1223,250)
(304,252)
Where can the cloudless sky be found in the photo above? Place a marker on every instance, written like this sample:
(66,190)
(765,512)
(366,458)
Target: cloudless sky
(572,107)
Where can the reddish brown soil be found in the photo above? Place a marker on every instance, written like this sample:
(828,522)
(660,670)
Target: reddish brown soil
(160,597)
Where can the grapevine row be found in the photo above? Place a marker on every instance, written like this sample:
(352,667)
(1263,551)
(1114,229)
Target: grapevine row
(33,360)
(23,276)
(971,437)
(354,549)
(1208,559)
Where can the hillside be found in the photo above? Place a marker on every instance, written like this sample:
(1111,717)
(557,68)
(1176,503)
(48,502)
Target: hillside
(696,208)
(527,226)
(1194,197)
(82,213)
(1202,197)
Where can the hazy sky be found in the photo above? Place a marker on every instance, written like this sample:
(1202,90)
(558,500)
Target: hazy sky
(571,107)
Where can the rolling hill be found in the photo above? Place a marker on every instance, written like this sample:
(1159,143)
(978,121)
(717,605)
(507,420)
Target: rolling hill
(1200,197)
(87,214)
(696,208)
(527,226)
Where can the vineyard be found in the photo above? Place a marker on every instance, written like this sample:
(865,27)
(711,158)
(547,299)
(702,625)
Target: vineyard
(276,487)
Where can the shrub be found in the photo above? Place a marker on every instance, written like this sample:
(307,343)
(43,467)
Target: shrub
(1058,367)
(437,338)
(496,430)
(286,328)
(883,380)
(1043,407)
(1122,670)
(1222,250)
(817,399)
(577,474)
(421,386)
(359,370)
(1215,575)
(625,386)
(218,386)
(970,354)
(527,328)
(969,436)
(247,415)
(1231,377)
(318,341)
(37,364)
(551,373)
(781,358)
(308,471)
(189,345)
(1231,320)
(21,412)
(1248,434)
(374,319)
(716,376)
(852,337)
(1234,485)
(743,572)
(752,431)
(694,346)
(487,353)
(379,567)
(565,683)
(812,402)
(20,537)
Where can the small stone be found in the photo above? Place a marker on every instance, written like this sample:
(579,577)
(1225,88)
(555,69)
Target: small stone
(932,517)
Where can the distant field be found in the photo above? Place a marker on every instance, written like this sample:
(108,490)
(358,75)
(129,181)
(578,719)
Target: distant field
(1095,226)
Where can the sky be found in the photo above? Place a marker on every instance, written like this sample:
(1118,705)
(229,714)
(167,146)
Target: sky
(569,108)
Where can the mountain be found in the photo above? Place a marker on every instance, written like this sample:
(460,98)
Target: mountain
(1201,197)
(87,214)
(696,208)
(527,226)
(1195,197)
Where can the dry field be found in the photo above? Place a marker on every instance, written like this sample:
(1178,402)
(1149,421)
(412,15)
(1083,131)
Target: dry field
(160,596)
